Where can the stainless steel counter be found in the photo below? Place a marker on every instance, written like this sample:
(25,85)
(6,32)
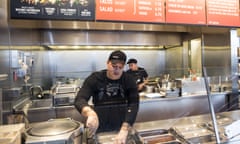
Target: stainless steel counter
(154,113)
(174,107)
(183,130)
(150,109)
(1,106)
(192,127)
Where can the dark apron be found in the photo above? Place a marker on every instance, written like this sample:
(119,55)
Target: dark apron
(110,117)
(111,106)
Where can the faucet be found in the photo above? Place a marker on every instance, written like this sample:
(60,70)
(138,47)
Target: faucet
(36,91)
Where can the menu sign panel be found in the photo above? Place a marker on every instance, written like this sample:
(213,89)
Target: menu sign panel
(130,10)
(53,9)
(185,11)
(223,12)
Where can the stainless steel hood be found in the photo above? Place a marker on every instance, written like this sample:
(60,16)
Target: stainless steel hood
(113,26)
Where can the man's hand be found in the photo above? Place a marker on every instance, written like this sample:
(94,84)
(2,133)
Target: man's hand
(92,122)
(122,135)
(92,125)
(141,86)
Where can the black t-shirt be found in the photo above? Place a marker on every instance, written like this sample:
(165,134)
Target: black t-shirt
(140,75)
(115,101)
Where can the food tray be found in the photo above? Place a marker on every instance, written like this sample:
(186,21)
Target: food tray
(160,136)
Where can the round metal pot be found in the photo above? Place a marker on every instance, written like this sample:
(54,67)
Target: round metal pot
(54,131)
(149,88)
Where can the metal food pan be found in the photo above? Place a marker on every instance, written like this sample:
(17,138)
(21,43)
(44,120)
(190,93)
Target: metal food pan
(200,135)
(157,139)
(109,138)
(221,122)
(106,137)
(153,132)
(202,139)
(188,127)
(172,142)
(159,136)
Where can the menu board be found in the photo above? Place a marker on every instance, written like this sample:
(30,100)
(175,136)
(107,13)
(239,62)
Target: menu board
(130,10)
(223,12)
(200,12)
(185,11)
(53,9)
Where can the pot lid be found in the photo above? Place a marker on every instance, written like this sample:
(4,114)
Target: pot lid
(53,127)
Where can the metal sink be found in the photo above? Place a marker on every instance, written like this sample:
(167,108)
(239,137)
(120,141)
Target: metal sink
(27,105)
(41,103)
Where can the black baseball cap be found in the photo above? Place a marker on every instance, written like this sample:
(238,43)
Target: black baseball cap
(118,56)
(132,60)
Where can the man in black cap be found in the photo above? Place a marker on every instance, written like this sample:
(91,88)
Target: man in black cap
(139,73)
(115,97)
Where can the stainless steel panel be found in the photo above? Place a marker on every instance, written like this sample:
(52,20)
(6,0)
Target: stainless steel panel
(1,107)
(217,40)
(56,37)
(166,108)
(3,14)
(234,69)
(174,62)
(82,63)
(76,25)
(79,64)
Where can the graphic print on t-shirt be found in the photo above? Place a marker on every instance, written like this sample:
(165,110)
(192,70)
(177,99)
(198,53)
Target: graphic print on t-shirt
(114,90)
(110,92)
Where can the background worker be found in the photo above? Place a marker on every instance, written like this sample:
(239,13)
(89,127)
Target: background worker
(139,73)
